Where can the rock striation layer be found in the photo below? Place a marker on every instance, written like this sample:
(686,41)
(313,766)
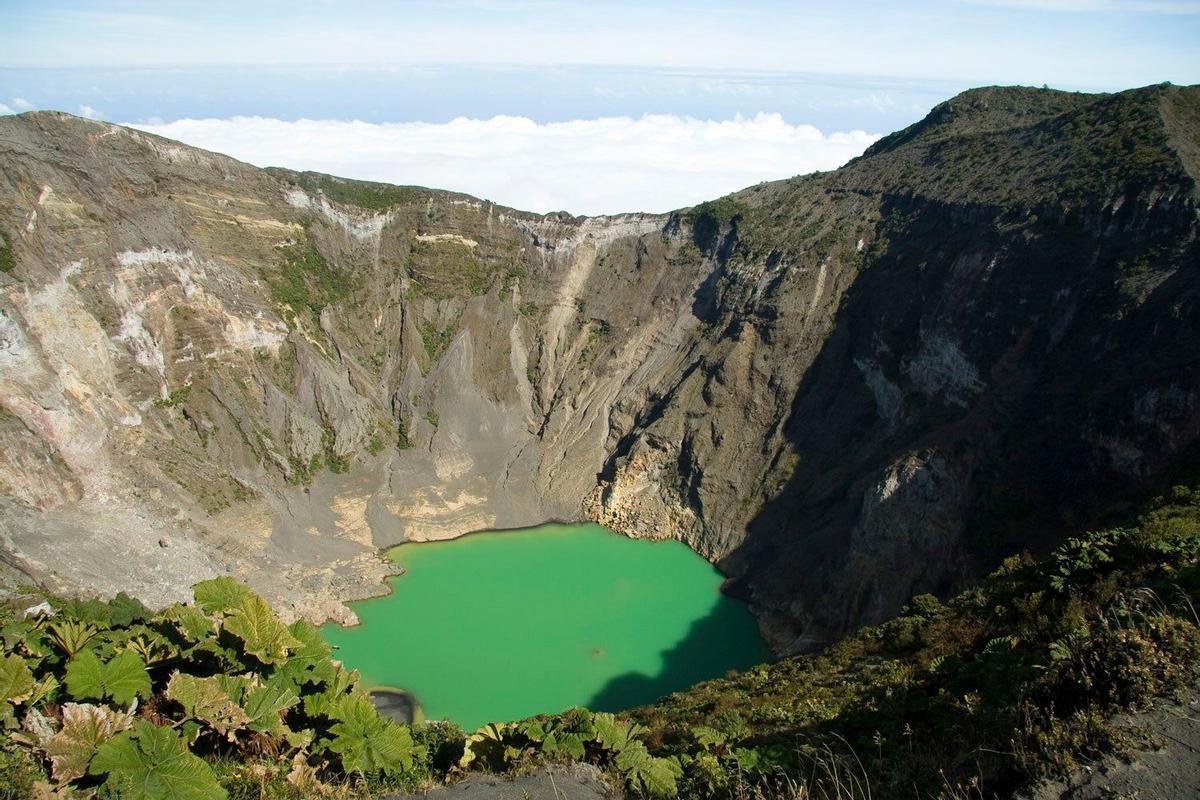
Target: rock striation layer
(843,389)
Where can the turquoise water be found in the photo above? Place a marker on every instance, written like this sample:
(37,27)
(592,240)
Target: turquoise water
(502,625)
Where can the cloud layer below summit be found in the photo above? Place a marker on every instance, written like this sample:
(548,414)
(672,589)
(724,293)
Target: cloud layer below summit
(594,166)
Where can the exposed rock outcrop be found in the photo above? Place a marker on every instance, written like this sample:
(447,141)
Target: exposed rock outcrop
(844,388)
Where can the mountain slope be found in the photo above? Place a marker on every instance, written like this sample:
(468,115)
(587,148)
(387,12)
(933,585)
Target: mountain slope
(947,352)
(844,388)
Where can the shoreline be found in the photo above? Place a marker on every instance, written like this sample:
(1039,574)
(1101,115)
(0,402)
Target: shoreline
(761,619)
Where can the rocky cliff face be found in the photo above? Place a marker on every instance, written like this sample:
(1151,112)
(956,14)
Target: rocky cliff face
(843,389)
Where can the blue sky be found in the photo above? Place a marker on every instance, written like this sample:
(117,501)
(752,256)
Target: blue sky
(1103,43)
(876,65)
(840,67)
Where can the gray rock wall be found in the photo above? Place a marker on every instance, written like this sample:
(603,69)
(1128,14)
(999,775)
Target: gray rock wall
(843,389)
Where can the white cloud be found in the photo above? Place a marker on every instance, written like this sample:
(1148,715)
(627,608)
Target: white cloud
(597,166)
(21,104)
(90,113)
(5,110)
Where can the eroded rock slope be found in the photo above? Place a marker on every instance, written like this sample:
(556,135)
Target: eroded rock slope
(843,389)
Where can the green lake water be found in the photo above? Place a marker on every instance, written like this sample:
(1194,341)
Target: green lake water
(502,625)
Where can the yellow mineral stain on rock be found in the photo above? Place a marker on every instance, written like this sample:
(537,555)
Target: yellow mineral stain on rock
(351,513)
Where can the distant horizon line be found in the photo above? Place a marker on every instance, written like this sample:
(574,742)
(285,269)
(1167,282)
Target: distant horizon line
(681,70)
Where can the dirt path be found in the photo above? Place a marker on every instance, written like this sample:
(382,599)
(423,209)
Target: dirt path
(1167,768)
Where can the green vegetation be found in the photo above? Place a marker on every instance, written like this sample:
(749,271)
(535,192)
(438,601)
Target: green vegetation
(174,398)
(432,418)
(306,282)
(512,275)
(281,366)
(598,334)
(1123,141)
(721,211)
(364,194)
(986,109)
(709,218)
(436,339)
(7,262)
(1025,148)
(337,464)
(402,441)
(448,268)
(686,253)
(1007,682)
(303,472)
(574,735)
(220,699)
(111,700)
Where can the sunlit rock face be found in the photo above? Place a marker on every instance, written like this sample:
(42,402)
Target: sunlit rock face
(844,389)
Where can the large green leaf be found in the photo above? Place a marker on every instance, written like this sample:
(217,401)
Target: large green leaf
(16,684)
(309,663)
(125,677)
(367,742)
(558,744)
(16,679)
(152,763)
(71,635)
(312,646)
(26,636)
(336,687)
(203,699)
(219,595)
(264,705)
(235,686)
(122,678)
(93,610)
(611,734)
(193,624)
(150,645)
(709,738)
(567,734)
(656,775)
(263,635)
(85,677)
(84,728)
(490,747)
(124,610)
(318,705)
(14,634)
(42,690)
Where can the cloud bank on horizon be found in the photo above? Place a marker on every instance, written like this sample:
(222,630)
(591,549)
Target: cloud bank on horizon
(657,162)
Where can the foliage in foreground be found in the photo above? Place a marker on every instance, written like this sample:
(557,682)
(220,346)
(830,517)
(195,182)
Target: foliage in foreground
(220,699)
(115,701)
(1014,679)
(1010,681)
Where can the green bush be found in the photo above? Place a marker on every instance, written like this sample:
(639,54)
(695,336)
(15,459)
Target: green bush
(1011,680)
(364,194)
(112,697)
(306,283)
(7,262)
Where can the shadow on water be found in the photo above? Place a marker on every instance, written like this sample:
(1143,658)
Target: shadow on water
(725,638)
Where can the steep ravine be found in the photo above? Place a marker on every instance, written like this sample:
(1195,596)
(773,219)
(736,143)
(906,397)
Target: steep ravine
(843,389)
